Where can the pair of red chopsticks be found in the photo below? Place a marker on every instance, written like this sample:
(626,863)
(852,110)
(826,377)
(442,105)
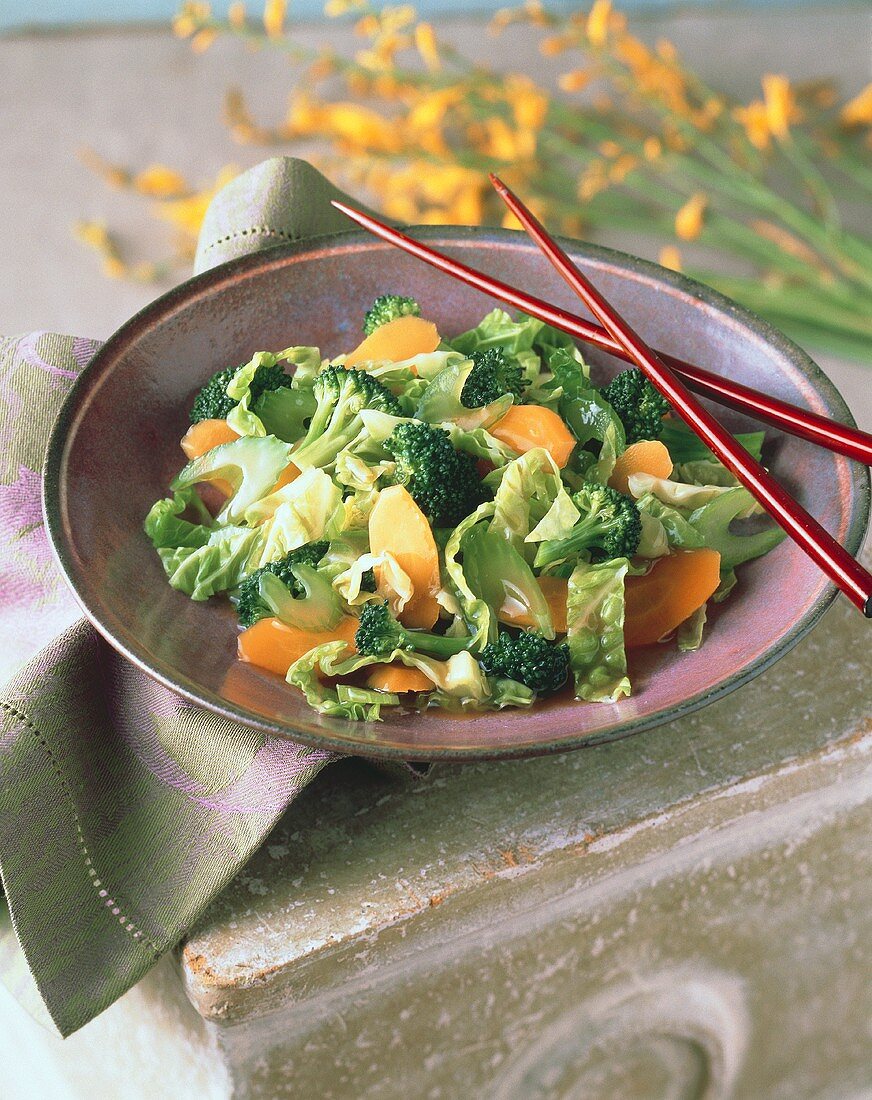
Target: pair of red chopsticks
(618,338)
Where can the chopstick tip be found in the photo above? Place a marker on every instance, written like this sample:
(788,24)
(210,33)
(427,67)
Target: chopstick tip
(498,184)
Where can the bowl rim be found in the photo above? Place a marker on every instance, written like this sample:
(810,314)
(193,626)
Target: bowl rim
(211,280)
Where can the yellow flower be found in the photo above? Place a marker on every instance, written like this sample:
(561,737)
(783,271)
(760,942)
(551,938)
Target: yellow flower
(191,17)
(553,45)
(183,26)
(367,26)
(187,214)
(274,12)
(160,182)
(96,236)
(114,267)
(780,105)
(662,80)
(335,8)
(203,39)
(670,257)
(858,111)
(755,120)
(593,179)
(431,108)
(708,114)
(622,167)
(529,103)
(502,142)
(609,148)
(689,219)
(534,13)
(598,22)
(361,128)
(113,174)
(502,18)
(396,18)
(652,148)
(574,80)
(323,66)
(425,42)
(425,120)
(236,15)
(387,86)
(666,51)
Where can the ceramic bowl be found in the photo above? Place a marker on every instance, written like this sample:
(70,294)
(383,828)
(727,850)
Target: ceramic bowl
(116,447)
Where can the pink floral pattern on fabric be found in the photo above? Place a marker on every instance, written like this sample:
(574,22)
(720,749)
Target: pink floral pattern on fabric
(140,806)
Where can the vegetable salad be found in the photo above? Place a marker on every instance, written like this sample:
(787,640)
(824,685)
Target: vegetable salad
(462,522)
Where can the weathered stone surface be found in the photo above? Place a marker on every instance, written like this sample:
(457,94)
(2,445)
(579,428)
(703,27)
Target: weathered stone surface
(720,949)
(689,905)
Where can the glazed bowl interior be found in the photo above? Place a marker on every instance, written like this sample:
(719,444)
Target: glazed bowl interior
(116,447)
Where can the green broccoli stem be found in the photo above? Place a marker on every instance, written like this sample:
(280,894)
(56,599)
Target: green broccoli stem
(379,634)
(585,534)
(318,423)
(320,448)
(433,645)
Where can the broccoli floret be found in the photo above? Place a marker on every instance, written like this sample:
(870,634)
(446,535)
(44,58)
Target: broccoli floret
(610,526)
(212,402)
(250,607)
(367,581)
(528,658)
(379,634)
(443,482)
(492,377)
(340,395)
(388,307)
(639,406)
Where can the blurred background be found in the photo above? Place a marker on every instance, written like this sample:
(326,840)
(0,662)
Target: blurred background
(23,13)
(730,140)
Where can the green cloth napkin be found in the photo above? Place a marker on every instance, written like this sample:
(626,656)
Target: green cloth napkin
(123,809)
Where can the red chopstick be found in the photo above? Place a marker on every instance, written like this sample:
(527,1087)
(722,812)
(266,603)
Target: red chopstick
(806,532)
(807,425)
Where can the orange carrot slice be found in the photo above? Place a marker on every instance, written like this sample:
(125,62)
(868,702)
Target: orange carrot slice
(397,340)
(676,586)
(527,426)
(554,589)
(289,474)
(649,456)
(205,435)
(273,645)
(398,678)
(202,437)
(397,525)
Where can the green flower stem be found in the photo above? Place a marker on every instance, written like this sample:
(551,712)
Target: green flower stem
(683,166)
(847,162)
(720,231)
(831,341)
(786,303)
(839,246)
(725,175)
(817,186)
